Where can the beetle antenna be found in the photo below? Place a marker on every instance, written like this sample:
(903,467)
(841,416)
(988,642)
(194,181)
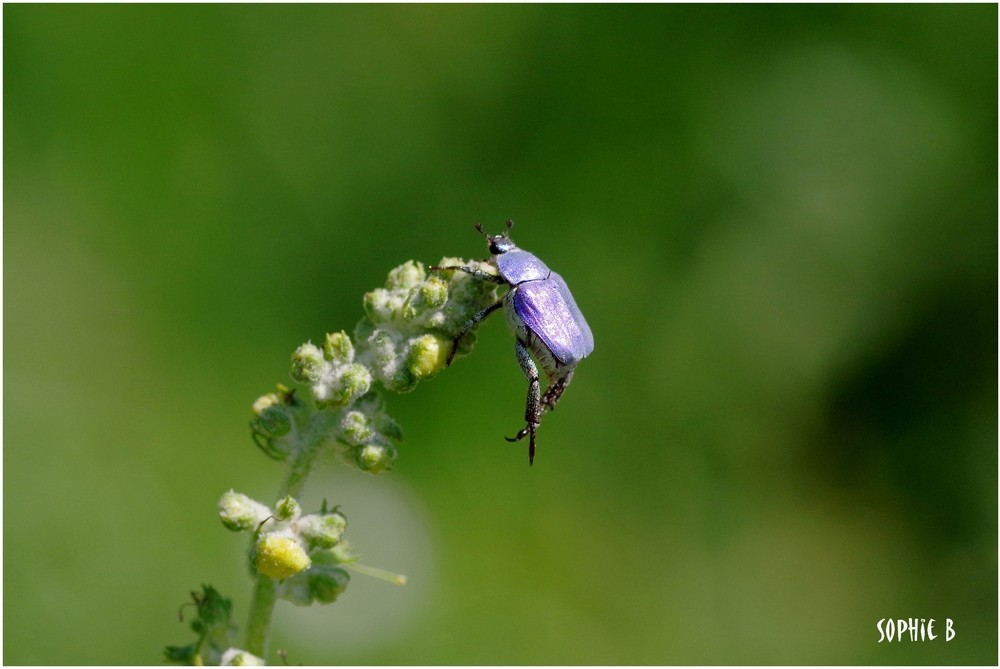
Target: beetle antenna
(479,226)
(510,224)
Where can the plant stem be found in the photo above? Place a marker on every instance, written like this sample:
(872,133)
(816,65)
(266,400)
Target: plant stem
(264,591)
(312,442)
(261,608)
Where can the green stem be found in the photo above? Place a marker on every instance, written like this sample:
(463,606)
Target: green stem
(312,443)
(264,592)
(261,608)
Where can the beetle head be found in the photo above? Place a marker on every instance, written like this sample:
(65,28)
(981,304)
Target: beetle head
(500,243)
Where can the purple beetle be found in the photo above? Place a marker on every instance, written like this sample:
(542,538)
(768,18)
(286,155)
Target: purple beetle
(545,319)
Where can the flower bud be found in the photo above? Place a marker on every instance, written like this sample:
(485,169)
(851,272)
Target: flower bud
(323,582)
(265,401)
(338,348)
(272,423)
(234,657)
(428,355)
(434,292)
(403,381)
(382,346)
(287,509)
(449,261)
(325,395)
(408,275)
(436,320)
(381,304)
(322,530)
(356,428)
(350,383)
(279,556)
(374,458)
(238,512)
(327,583)
(307,364)
(355,382)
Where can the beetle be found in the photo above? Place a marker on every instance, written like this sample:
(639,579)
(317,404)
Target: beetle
(546,322)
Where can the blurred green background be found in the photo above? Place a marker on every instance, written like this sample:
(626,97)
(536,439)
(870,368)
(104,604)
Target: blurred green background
(780,222)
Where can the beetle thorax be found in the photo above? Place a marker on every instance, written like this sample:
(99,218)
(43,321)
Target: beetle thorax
(518,266)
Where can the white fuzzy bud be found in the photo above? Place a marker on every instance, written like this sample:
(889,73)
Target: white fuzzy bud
(234,657)
(238,512)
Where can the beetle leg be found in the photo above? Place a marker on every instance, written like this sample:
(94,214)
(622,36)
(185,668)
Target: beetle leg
(532,409)
(555,391)
(478,273)
(468,326)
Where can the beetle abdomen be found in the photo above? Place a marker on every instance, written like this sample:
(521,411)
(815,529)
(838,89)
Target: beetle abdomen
(548,309)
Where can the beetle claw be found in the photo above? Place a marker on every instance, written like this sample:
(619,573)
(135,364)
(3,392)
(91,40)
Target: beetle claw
(528,429)
(521,435)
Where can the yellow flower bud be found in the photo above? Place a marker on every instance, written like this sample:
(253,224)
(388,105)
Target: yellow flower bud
(428,355)
(265,401)
(280,557)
